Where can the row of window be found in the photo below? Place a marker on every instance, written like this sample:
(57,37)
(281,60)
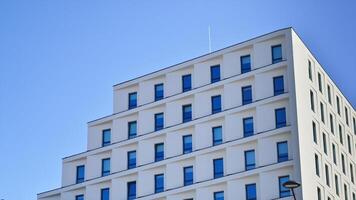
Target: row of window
(250,189)
(346,193)
(250,162)
(215,76)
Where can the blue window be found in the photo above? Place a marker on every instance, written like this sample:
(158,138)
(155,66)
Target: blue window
(215,73)
(159,121)
(132,100)
(79,197)
(217,135)
(276,53)
(248,126)
(246,95)
(280,117)
(132,129)
(159,152)
(159,93)
(283,191)
(159,183)
(278,85)
(187,113)
(80,173)
(282,151)
(245,63)
(218,168)
(215,104)
(106,137)
(131,159)
(131,190)
(186,82)
(105,167)
(105,194)
(187,144)
(250,160)
(188,175)
(219,195)
(251,192)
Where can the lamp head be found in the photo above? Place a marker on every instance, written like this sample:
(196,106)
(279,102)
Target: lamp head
(291,184)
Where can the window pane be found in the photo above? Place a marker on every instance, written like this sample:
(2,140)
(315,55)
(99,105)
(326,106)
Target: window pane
(245,64)
(218,195)
(186,82)
(248,126)
(106,137)
(283,191)
(159,92)
(159,121)
(105,194)
(250,160)
(131,190)
(276,53)
(131,159)
(159,152)
(79,197)
(251,192)
(215,104)
(105,167)
(80,173)
(280,117)
(133,100)
(282,150)
(188,175)
(187,144)
(215,73)
(278,85)
(187,113)
(159,183)
(246,95)
(217,135)
(218,168)
(132,129)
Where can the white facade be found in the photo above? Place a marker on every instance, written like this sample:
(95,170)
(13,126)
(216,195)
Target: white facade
(297,132)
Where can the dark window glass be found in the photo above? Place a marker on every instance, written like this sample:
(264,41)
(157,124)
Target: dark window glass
(105,167)
(133,100)
(346,116)
(282,151)
(280,116)
(79,197)
(131,159)
(215,73)
(329,94)
(337,190)
(250,160)
(159,121)
(353,196)
(187,113)
(218,168)
(352,173)
(132,129)
(159,183)
(187,144)
(217,135)
(343,164)
(349,144)
(186,82)
(310,70)
(80,173)
(319,193)
(159,92)
(219,195)
(327,176)
(346,192)
(105,194)
(325,145)
(251,192)
(276,53)
(340,135)
(159,152)
(278,85)
(283,191)
(188,175)
(106,137)
(245,63)
(312,101)
(334,154)
(246,95)
(354,122)
(320,83)
(322,112)
(331,123)
(248,126)
(215,104)
(315,137)
(317,172)
(131,190)
(338,105)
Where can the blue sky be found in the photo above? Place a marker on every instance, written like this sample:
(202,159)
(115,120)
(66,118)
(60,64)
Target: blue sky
(59,60)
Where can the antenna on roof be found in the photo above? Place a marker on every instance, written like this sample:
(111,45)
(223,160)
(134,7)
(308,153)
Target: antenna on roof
(209,39)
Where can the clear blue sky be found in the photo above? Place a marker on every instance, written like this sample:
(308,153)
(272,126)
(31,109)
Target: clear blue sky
(59,60)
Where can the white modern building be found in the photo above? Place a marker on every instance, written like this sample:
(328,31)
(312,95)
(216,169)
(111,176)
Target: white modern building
(234,124)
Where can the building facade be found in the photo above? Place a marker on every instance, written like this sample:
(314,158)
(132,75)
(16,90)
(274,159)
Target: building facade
(233,124)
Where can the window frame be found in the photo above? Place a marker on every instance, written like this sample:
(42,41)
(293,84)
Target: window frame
(103,171)
(282,157)
(245,67)
(80,179)
(187,116)
(159,126)
(129,195)
(159,189)
(187,78)
(250,166)
(246,132)
(159,157)
(218,174)
(276,59)
(130,164)
(185,149)
(132,103)
(254,186)
(282,123)
(278,91)
(216,99)
(104,133)
(283,191)
(186,175)
(217,141)
(214,79)
(159,94)
(246,92)
(130,133)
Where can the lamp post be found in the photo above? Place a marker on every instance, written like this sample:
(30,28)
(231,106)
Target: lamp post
(291,185)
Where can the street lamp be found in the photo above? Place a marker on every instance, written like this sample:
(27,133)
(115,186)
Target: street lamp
(291,185)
